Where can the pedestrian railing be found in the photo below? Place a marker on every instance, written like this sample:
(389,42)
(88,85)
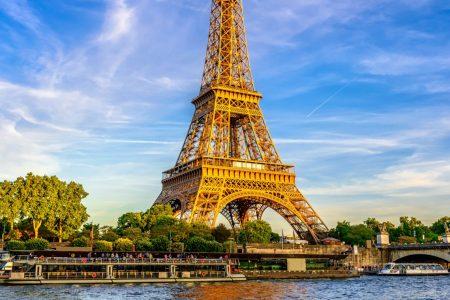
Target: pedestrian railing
(155,261)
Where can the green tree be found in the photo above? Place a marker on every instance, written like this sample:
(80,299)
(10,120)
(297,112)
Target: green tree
(200,230)
(438,227)
(373,224)
(132,233)
(143,244)
(353,234)
(160,243)
(103,246)
(123,245)
(359,234)
(67,213)
(10,203)
(221,233)
(255,232)
(175,230)
(88,229)
(80,242)
(37,195)
(153,213)
(198,244)
(108,233)
(412,227)
(130,220)
(341,231)
(275,237)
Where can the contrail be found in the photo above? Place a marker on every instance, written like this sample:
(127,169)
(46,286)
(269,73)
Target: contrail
(329,99)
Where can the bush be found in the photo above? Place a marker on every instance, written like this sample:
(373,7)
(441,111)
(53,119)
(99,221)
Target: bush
(123,245)
(213,246)
(143,245)
(197,244)
(37,244)
(177,247)
(160,243)
(15,245)
(103,246)
(80,242)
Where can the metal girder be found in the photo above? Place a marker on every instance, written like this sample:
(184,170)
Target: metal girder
(229,164)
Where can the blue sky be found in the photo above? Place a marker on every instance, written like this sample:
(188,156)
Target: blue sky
(356,95)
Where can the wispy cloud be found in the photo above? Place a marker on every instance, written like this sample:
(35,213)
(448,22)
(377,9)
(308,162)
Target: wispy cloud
(401,64)
(118,22)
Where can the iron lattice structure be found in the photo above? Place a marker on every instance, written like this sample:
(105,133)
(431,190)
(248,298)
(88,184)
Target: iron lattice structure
(228,164)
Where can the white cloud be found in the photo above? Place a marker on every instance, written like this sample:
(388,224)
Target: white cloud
(118,22)
(20,152)
(424,178)
(402,64)
(20,11)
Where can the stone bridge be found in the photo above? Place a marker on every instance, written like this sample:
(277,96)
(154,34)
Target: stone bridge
(429,253)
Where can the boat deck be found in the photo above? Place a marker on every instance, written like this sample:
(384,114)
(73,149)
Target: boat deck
(48,270)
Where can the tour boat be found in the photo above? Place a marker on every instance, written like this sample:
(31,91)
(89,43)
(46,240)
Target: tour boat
(64,270)
(414,269)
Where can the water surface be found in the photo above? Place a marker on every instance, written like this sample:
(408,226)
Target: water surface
(367,287)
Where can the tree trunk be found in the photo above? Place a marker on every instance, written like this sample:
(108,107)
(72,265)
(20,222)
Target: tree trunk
(11,226)
(60,233)
(36,226)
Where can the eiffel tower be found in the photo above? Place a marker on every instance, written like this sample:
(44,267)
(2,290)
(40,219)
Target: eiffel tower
(228,164)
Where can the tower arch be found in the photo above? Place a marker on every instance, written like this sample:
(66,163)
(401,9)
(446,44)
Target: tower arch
(262,200)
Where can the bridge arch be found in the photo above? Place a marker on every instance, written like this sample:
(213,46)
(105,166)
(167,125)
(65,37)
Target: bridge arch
(283,207)
(421,257)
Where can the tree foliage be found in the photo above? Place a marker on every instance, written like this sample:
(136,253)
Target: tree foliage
(130,220)
(10,203)
(123,245)
(143,244)
(353,234)
(46,202)
(153,213)
(221,233)
(409,230)
(37,244)
(80,242)
(103,246)
(15,245)
(109,234)
(198,244)
(255,232)
(67,211)
(160,243)
(438,227)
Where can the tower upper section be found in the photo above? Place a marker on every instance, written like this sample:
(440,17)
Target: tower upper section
(227,61)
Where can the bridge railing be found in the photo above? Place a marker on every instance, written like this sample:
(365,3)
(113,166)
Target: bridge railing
(419,246)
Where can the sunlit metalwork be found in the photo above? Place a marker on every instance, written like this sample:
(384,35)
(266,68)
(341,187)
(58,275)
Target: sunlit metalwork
(228,163)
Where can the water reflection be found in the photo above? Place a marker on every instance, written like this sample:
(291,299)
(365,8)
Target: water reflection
(243,290)
(358,288)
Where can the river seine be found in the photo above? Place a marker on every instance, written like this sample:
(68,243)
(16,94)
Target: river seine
(367,287)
